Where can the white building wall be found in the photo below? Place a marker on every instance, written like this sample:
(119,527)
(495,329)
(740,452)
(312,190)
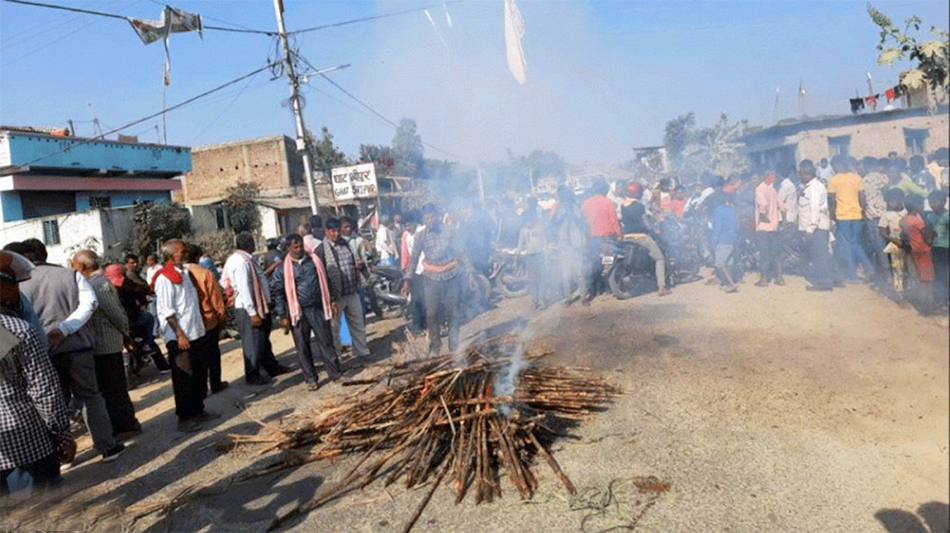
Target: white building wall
(76,231)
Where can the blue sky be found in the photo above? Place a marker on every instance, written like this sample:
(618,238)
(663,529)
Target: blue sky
(603,76)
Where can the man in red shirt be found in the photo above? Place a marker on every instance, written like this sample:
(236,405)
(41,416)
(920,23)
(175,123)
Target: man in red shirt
(604,226)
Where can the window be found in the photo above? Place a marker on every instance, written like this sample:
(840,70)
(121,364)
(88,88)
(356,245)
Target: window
(50,232)
(100,202)
(839,145)
(219,220)
(916,141)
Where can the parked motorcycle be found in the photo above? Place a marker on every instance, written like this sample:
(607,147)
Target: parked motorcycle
(382,292)
(508,274)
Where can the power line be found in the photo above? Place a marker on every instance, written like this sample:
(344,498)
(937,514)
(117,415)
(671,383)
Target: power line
(144,119)
(116,16)
(375,17)
(370,108)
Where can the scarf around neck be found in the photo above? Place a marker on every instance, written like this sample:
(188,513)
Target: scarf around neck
(290,288)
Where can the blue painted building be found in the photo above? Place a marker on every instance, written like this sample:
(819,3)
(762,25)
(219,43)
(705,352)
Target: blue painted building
(43,174)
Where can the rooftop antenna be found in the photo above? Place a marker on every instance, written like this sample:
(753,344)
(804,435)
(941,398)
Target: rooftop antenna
(97,128)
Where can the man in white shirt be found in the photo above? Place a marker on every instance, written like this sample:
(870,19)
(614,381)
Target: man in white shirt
(824,171)
(386,243)
(179,317)
(244,279)
(814,220)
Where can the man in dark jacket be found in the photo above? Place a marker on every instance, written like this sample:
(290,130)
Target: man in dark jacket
(302,304)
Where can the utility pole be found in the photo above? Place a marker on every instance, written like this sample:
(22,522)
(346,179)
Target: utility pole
(295,103)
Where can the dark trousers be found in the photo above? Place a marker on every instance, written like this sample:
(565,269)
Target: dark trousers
(769,246)
(311,319)
(110,375)
(820,272)
(941,258)
(255,343)
(418,312)
(41,476)
(189,378)
(144,328)
(442,301)
(211,342)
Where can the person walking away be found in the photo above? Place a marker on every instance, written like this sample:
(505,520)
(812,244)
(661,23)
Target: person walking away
(889,228)
(725,233)
(304,305)
(343,275)
(244,282)
(386,243)
(767,208)
(211,301)
(111,327)
(920,237)
(847,205)
(814,221)
(358,246)
(531,247)
(939,222)
(637,229)
(570,235)
(604,228)
(179,316)
(444,263)
(64,301)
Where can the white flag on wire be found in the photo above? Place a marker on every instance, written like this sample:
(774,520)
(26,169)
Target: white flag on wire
(514,31)
(173,20)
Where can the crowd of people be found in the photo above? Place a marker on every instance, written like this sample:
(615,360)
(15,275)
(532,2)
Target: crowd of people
(66,332)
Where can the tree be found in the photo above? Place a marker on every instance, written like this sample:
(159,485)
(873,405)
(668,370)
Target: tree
(677,134)
(381,155)
(717,149)
(408,150)
(325,154)
(931,57)
(545,164)
(155,222)
(241,207)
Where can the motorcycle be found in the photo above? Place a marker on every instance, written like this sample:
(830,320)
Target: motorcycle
(382,292)
(508,274)
(630,271)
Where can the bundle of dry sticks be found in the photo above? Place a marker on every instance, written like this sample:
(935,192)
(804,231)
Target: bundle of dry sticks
(468,417)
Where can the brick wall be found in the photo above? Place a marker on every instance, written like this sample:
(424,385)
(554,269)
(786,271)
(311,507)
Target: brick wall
(875,139)
(271,162)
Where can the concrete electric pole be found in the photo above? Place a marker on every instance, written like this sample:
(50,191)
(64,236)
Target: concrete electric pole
(295,104)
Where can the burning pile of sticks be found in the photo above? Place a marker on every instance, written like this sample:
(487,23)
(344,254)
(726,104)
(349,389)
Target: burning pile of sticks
(468,417)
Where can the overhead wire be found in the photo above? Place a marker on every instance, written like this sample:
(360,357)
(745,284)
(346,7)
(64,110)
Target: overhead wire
(117,16)
(149,117)
(370,108)
(374,17)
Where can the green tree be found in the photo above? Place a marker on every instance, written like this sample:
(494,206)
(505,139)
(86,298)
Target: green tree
(677,134)
(155,222)
(325,154)
(408,150)
(241,207)
(929,58)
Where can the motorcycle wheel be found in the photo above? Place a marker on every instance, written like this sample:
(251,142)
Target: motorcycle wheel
(511,286)
(374,304)
(625,284)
